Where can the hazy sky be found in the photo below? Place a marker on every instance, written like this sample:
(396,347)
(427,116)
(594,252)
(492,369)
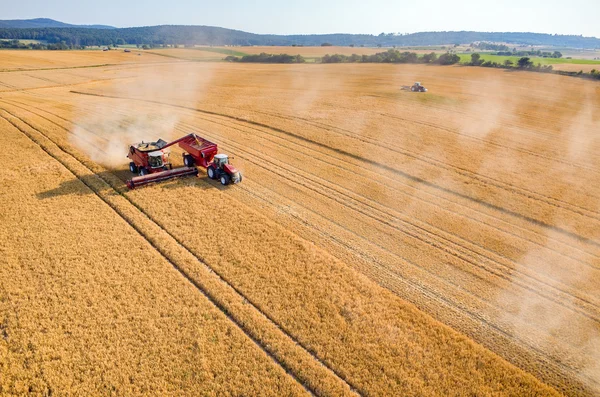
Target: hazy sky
(335,16)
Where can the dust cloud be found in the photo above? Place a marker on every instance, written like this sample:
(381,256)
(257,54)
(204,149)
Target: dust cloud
(104,130)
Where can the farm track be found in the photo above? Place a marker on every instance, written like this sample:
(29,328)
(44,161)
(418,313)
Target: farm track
(438,296)
(391,214)
(118,65)
(454,131)
(546,133)
(293,369)
(358,170)
(509,229)
(413,178)
(448,310)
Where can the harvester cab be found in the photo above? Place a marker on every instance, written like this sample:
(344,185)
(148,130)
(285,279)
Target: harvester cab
(157,159)
(148,157)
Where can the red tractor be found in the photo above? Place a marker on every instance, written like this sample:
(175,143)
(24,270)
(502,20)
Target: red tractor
(204,153)
(151,158)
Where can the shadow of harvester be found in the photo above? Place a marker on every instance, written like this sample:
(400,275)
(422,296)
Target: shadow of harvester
(113,182)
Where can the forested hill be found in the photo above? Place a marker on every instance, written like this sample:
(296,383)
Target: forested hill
(208,35)
(45,23)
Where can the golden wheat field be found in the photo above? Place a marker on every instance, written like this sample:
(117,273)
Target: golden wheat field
(381,242)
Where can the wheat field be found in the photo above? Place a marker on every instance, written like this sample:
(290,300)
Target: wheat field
(381,243)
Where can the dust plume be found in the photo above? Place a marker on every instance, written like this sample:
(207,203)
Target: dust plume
(105,127)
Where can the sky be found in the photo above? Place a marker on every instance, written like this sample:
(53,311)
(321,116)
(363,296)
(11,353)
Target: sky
(579,17)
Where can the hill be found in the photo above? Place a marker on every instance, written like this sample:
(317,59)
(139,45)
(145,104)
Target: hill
(44,23)
(210,35)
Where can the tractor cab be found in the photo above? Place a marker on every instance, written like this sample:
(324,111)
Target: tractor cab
(220,160)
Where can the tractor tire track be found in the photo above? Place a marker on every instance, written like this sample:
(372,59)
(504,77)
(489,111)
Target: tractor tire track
(389,279)
(361,170)
(379,165)
(462,253)
(421,234)
(331,128)
(268,350)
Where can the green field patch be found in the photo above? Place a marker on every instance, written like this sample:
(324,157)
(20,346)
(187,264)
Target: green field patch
(225,51)
(466,57)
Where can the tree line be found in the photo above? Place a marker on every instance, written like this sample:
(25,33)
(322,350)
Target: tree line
(267,58)
(208,35)
(393,56)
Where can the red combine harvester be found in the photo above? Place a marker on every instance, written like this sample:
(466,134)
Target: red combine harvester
(148,157)
(152,162)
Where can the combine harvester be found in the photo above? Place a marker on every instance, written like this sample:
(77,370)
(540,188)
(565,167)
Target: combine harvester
(151,161)
(416,87)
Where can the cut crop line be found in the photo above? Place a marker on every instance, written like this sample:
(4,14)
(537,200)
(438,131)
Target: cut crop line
(361,170)
(385,276)
(366,161)
(202,289)
(332,129)
(421,234)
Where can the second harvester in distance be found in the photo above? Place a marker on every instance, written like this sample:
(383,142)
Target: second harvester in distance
(152,162)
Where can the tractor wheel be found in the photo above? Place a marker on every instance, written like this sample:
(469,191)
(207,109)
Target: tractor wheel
(133,168)
(412,89)
(224,179)
(143,171)
(240,178)
(211,172)
(188,160)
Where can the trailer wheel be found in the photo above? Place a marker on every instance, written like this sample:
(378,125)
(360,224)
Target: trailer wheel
(133,168)
(188,160)
(143,171)
(211,172)
(224,179)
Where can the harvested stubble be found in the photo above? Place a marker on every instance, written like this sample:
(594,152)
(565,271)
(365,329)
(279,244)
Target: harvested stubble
(449,235)
(87,306)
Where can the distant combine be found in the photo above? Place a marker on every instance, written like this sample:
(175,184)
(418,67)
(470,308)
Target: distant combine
(416,87)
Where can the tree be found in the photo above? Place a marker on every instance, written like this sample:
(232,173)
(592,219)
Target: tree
(524,63)
(508,63)
(326,45)
(448,59)
(476,59)
(556,54)
(430,58)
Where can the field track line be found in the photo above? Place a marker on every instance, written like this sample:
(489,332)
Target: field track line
(395,276)
(461,256)
(386,277)
(360,170)
(202,289)
(366,161)
(423,238)
(485,180)
(332,129)
(94,66)
(421,235)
